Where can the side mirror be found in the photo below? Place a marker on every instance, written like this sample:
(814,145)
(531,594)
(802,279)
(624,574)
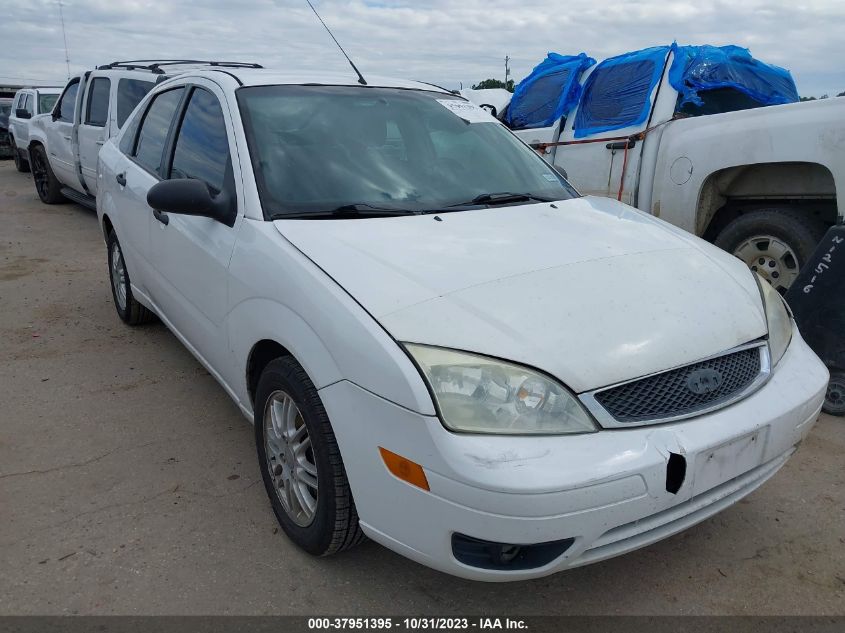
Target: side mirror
(561,171)
(23,114)
(188,196)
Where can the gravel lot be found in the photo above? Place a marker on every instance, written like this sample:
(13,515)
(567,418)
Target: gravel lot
(129,483)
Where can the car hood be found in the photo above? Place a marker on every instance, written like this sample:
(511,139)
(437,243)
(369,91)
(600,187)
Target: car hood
(589,290)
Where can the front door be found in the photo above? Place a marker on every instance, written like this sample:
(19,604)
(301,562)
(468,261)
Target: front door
(60,137)
(191,254)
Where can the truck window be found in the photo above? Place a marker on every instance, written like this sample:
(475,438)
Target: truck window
(46,103)
(615,97)
(129,94)
(154,128)
(97,110)
(67,105)
(202,149)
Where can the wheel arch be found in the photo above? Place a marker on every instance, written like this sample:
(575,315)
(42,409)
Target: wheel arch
(262,353)
(107,226)
(728,193)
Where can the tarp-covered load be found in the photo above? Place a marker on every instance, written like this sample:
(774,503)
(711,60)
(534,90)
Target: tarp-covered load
(617,93)
(697,69)
(549,92)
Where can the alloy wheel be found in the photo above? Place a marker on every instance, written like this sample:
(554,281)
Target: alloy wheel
(290,458)
(118,277)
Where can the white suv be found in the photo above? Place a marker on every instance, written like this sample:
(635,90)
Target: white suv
(440,343)
(28,103)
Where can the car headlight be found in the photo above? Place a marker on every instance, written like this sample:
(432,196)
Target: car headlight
(478,394)
(778,319)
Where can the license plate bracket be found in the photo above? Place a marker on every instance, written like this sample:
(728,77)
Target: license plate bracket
(722,463)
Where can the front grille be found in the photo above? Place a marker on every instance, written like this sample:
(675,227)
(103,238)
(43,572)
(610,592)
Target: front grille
(668,395)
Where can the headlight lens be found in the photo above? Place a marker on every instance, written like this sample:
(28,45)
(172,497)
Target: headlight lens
(478,394)
(778,319)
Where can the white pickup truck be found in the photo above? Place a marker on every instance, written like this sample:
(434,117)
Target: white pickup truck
(763,183)
(64,145)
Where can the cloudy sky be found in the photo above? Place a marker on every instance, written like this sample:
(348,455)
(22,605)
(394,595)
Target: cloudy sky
(441,41)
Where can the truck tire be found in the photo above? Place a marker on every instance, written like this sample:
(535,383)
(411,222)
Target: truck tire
(308,488)
(775,243)
(46,184)
(20,163)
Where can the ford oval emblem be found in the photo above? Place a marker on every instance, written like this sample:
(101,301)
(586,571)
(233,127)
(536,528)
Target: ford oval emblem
(703,381)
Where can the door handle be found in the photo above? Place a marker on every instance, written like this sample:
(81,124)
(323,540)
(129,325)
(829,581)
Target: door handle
(100,143)
(161,217)
(121,179)
(627,144)
(67,138)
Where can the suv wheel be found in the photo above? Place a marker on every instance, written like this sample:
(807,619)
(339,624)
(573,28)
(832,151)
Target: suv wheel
(300,462)
(776,243)
(20,164)
(834,401)
(128,309)
(46,183)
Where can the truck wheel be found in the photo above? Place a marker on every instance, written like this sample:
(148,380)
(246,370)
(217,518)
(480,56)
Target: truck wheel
(128,309)
(834,400)
(300,462)
(776,243)
(20,164)
(46,184)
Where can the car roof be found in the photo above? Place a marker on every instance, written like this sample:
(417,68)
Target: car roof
(270,77)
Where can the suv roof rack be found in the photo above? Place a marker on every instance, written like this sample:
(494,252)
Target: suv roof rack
(155,65)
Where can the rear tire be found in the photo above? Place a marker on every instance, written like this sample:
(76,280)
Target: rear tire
(300,462)
(128,309)
(46,184)
(20,163)
(773,242)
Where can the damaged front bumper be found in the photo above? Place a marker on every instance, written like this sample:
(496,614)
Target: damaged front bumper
(583,498)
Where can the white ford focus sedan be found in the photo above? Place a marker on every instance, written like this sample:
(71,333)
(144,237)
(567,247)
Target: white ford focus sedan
(441,345)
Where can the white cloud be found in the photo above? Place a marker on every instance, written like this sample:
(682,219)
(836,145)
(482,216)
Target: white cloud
(439,41)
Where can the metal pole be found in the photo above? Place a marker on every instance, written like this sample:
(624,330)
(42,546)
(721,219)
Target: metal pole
(64,37)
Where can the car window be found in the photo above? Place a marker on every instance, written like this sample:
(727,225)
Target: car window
(129,94)
(97,109)
(67,106)
(46,103)
(25,103)
(202,150)
(154,128)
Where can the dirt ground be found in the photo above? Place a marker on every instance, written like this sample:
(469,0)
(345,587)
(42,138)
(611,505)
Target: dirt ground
(129,484)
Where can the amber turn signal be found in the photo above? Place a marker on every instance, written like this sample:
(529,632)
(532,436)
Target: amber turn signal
(404,469)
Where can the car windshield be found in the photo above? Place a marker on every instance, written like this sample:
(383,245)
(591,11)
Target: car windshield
(323,148)
(46,103)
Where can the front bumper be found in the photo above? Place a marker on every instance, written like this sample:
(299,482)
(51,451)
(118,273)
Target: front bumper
(606,490)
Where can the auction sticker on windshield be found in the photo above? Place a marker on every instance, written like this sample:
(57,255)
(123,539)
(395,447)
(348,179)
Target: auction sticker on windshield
(469,112)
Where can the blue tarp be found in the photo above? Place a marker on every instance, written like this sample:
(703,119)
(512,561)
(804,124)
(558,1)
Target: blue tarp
(616,94)
(549,92)
(700,68)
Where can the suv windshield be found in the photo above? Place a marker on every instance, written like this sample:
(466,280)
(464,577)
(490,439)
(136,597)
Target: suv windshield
(46,103)
(321,148)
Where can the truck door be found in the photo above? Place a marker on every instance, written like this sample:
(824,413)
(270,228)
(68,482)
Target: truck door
(598,152)
(60,136)
(93,128)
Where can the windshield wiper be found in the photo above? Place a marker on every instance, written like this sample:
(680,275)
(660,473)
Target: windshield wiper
(504,197)
(357,210)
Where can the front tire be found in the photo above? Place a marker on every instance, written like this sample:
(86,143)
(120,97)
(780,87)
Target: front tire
(128,309)
(775,243)
(46,184)
(300,462)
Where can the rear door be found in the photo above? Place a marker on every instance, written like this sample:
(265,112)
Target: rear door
(142,147)
(191,254)
(60,136)
(92,131)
